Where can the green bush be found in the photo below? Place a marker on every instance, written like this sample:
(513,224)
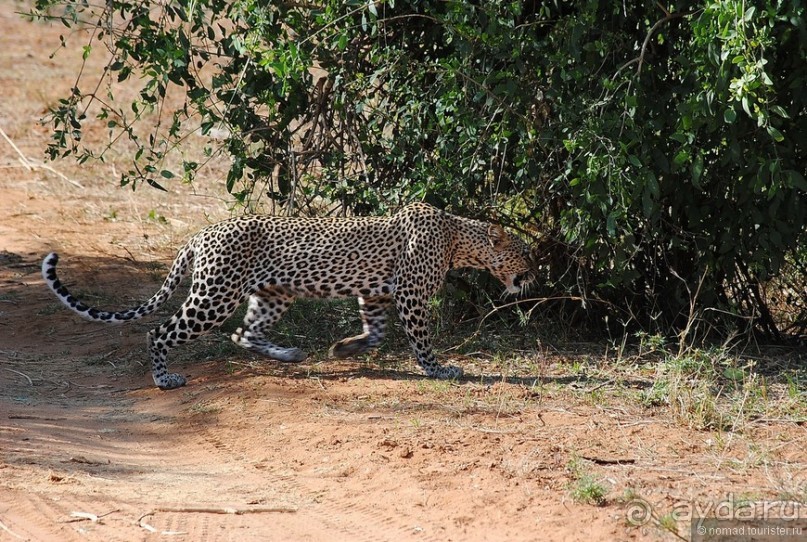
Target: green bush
(657,150)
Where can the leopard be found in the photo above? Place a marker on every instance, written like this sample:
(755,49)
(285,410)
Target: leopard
(268,261)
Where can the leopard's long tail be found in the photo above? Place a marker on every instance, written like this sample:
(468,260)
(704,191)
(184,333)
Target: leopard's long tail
(178,270)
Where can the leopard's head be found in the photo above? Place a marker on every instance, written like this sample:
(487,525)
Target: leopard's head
(509,260)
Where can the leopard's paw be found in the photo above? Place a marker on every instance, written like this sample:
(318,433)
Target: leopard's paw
(445,372)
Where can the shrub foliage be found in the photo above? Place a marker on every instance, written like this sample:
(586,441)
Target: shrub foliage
(656,149)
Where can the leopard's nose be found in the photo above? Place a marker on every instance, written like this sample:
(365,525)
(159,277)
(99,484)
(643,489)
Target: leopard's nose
(522,279)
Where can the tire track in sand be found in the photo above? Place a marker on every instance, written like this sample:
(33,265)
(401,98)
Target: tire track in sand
(322,517)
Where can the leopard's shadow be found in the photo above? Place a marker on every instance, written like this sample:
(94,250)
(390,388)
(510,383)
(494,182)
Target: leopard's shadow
(340,370)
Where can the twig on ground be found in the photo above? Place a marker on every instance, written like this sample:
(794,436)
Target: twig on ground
(609,461)
(28,378)
(90,387)
(600,385)
(222,510)
(86,516)
(23,159)
(40,418)
(9,531)
(82,516)
(151,529)
(30,165)
(208,510)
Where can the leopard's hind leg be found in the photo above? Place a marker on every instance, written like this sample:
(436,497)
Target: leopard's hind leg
(264,309)
(197,316)
(374,319)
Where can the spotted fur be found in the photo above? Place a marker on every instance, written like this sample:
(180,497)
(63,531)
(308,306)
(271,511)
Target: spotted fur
(269,261)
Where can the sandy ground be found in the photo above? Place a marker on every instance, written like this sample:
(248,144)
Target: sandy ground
(252,450)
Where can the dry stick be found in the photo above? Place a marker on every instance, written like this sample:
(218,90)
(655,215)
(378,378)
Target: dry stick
(610,461)
(600,385)
(29,165)
(87,516)
(207,510)
(151,529)
(40,165)
(28,378)
(9,531)
(222,510)
(23,159)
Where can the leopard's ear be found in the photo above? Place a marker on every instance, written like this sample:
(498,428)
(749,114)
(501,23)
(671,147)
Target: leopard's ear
(497,236)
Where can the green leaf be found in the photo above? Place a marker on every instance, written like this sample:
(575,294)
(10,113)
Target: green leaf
(797,180)
(610,224)
(679,137)
(342,42)
(167,174)
(734,373)
(681,158)
(651,183)
(779,110)
(747,106)
(775,134)
(647,204)
(697,170)
(729,115)
(154,184)
(124,73)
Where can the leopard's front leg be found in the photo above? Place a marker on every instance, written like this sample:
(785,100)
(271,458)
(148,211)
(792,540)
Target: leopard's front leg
(413,312)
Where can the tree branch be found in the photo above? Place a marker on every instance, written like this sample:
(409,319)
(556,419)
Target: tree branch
(667,18)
